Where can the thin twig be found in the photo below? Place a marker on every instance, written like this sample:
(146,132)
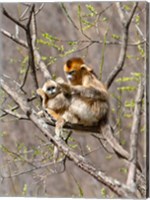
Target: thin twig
(25,77)
(17,40)
(81,28)
(39,61)
(68,16)
(36,12)
(131,180)
(16,115)
(12,109)
(24,13)
(13,19)
(121,59)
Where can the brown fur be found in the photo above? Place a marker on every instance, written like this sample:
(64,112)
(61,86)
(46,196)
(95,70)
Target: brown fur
(90,100)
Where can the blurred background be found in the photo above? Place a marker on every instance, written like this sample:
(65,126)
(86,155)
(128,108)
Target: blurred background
(92,31)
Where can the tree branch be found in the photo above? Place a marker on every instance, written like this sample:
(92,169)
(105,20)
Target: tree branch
(16,115)
(39,61)
(131,180)
(119,188)
(30,48)
(12,37)
(13,19)
(121,59)
(37,55)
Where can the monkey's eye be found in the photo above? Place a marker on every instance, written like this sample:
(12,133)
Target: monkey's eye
(51,89)
(72,72)
(70,75)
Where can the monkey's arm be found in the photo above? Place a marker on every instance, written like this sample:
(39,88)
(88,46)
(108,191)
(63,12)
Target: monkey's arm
(90,93)
(41,93)
(65,88)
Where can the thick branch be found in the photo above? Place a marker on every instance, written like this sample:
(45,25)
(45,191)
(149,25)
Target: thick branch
(134,135)
(119,188)
(121,59)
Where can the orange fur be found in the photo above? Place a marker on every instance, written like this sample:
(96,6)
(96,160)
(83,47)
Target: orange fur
(90,96)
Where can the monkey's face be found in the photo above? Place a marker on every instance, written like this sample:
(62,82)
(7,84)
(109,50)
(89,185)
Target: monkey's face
(51,88)
(72,69)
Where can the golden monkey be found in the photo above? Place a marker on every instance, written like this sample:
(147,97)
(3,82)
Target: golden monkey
(90,100)
(56,100)
(74,104)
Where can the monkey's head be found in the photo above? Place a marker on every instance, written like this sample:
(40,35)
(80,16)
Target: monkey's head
(74,70)
(51,88)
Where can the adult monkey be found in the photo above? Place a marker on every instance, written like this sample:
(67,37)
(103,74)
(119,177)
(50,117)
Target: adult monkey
(92,99)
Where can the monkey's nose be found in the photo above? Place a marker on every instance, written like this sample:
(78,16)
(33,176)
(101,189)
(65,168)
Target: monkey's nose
(69,76)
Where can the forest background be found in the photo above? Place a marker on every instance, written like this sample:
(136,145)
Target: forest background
(37,39)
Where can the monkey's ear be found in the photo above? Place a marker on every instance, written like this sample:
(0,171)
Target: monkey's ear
(85,67)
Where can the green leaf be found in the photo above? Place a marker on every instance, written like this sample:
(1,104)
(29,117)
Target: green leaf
(143,129)
(68,52)
(127,7)
(124,79)
(73,146)
(3,133)
(51,60)
(123,170)
(123,141)
(127,115)
(136,74)
(36,152)
(87,27)
(25,188)
(91,9)
(127,88)
(130,104)
(44,58)
(137,19)
(104,19)
(141,50)
(50,37)
(104,192)
(115,36)
(72,43)
(81,194)
(103,54)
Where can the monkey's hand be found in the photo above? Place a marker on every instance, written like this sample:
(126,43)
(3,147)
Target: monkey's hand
(65,88)
(40,92)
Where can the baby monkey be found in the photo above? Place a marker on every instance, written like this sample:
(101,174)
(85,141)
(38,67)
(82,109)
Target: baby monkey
(56,101)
